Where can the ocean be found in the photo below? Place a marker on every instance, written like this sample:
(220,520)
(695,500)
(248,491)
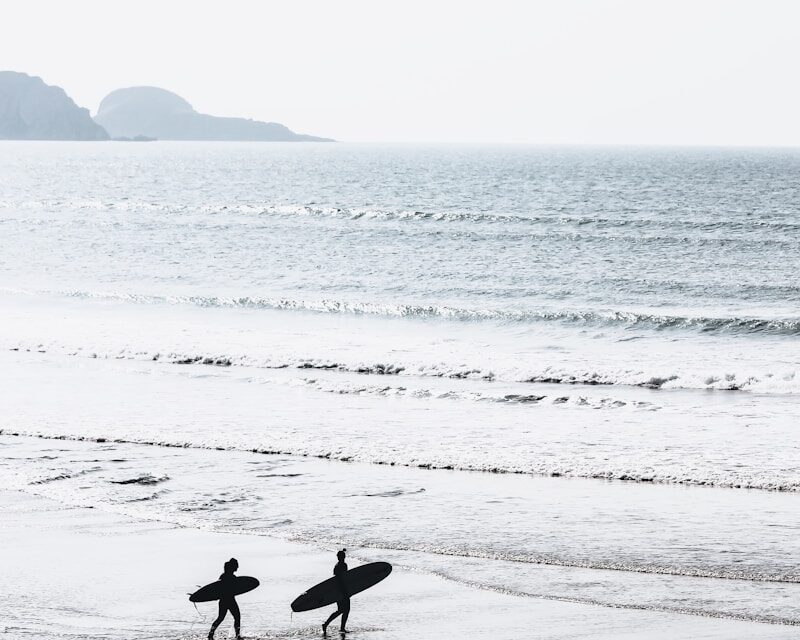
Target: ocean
(551,372)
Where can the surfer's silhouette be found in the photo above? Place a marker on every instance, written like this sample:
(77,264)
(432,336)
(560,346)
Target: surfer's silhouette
(343,605)
(228,600)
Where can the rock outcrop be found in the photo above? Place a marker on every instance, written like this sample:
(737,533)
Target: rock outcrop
(158,113)
(33,110)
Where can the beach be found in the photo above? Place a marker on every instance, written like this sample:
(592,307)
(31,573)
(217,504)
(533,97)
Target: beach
(556,388)
(89,573)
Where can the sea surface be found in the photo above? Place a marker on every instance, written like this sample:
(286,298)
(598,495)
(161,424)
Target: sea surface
(567,373)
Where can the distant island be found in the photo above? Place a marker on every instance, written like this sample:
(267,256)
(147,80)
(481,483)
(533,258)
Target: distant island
(152,112)
(33,110)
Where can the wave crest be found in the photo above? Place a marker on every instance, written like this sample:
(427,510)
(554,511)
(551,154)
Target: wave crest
(789,326)
(783,382)
(554,217)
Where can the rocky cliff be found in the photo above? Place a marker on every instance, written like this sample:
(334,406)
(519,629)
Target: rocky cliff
(33,110)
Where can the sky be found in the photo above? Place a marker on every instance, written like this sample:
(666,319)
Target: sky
(498,71)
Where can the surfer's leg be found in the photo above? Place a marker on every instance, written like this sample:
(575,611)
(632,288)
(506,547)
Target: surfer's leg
(223,609)
(237,617)
(344,607)
(330,619)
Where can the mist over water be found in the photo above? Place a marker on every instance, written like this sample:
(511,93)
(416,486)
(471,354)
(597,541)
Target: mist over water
(561,316)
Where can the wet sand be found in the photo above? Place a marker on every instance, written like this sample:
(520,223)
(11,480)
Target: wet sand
(85,573)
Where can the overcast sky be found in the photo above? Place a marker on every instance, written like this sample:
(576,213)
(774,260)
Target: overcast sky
(561,71)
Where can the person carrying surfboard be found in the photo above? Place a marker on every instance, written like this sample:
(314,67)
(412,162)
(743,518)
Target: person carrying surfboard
(228,600)
(342,605)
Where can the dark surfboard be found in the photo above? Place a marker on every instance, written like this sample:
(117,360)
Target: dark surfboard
(213,591)
(328,592)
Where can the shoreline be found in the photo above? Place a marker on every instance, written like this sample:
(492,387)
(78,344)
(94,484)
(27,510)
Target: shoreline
(144,570)
(529,547)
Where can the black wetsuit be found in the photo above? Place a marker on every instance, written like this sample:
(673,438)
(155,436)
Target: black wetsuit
(339,571)
(227,603)
(343,604)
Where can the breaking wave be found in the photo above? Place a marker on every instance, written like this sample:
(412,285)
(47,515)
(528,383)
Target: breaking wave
(555,216)
(786,382)
(787,326)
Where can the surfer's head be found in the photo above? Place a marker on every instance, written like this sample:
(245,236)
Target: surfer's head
(231,565)
(340,554)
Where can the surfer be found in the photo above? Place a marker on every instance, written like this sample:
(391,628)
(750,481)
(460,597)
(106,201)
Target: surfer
(343,605)
(228,601)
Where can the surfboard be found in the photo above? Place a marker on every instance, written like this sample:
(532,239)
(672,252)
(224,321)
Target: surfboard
(328,592)
(213,591)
